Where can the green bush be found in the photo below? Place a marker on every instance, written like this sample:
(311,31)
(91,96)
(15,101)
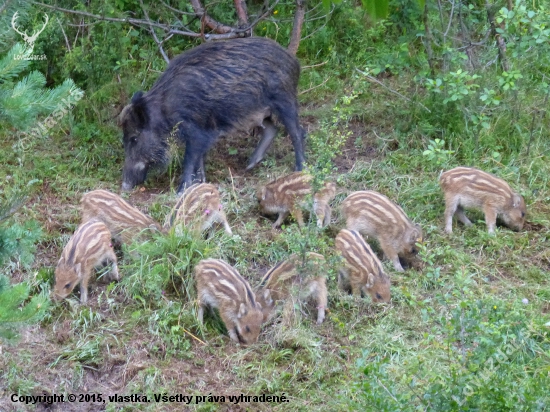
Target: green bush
(481,354)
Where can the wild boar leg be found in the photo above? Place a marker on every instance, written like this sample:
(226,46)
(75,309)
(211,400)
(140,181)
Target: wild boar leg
(320,314)
(462,217)
(289,117)
(490,218)
(197,143)
(189,170)
(200,313)
(297,213)
(200,173)
(223,220)
(392,255)
(343,280)
(84,290)
(231,327)
(280,219)
(268,133)
(113,275)
(323,218)
(322,300)
(451,204)
(356,288)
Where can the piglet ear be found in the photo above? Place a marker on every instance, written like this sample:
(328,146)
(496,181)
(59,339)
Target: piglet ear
(516,200)
(419,234)
(242,311)
(370,281)
(267,297)
(415,235)
(77,268)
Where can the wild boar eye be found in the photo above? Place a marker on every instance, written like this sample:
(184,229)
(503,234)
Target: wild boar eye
(522,214)
(378,296)
(67,286)
(247,329)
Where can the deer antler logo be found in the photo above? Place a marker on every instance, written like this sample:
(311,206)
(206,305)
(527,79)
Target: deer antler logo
(29,39)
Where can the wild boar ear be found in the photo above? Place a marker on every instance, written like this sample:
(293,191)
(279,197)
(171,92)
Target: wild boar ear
(414,235)
(516,200)
(267,297)
(370,281)
(139,109)
(418,234)
(136,98)
(242,311)
(122,116)
(77,268)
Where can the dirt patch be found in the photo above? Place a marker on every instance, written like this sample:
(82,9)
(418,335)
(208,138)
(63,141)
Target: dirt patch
(359,146)
(229,157)
(533,227)
(127,360)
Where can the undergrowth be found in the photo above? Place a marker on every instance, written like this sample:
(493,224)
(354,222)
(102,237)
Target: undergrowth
(466,328)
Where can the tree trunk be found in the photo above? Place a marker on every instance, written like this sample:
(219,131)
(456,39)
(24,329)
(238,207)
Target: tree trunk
(242,14)
(428,40)
(297,27)
(500,41)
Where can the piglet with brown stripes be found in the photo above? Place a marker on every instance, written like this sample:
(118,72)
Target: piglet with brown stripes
(198,208)
(286,195)
(300,276)
(123,220)
(90,246)
(220,286)
(362,271)
(373,214)
(321,204)
(466,187)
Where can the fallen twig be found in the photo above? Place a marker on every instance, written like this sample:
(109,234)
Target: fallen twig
(372,79)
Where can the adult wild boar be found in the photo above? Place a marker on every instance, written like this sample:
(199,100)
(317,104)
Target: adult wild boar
(210,92)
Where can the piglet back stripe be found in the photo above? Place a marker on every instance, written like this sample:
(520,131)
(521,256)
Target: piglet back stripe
(267,277)
(286,268)
(354,246)
(219,267)
(376,203)
(91,232)
(116,206)
(194,198)
(474,181)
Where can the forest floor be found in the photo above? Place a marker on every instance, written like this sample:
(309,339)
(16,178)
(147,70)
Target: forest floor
(122,343)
